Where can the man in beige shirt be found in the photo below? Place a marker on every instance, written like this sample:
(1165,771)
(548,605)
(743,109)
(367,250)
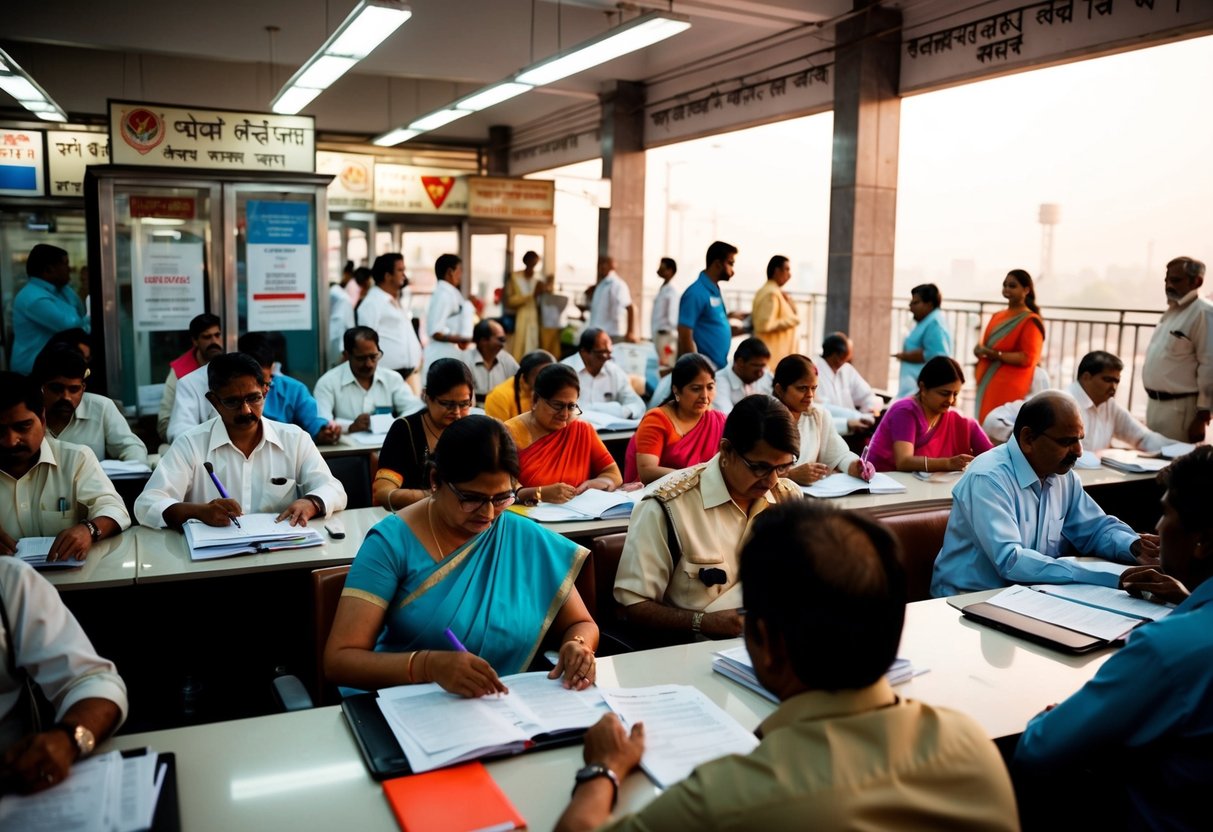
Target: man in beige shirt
(842,751)
(678,581)
(1178,370)
(49,488)
(774,316)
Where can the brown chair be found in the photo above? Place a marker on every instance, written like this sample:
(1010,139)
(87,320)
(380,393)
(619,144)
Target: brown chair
(920,534)
(605,552)
(327,584)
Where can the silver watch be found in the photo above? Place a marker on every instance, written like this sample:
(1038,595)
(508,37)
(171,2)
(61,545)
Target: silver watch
(82,737)
(696,622)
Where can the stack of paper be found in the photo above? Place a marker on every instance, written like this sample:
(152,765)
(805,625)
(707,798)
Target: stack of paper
(735,664)
(605,421)
(840,485)
(34,551)
(591,504)
(116,469)
(1107,598)
(256,533)
(1131,462)
(1081,618)
(108,793)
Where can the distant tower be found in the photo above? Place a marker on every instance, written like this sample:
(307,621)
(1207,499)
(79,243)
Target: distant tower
(1050,215)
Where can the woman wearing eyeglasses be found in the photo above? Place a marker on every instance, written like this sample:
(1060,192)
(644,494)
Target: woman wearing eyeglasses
(401,479)
(925,432)
(683,431)
(458,562)
(560,455)
(678,573)
(822,450)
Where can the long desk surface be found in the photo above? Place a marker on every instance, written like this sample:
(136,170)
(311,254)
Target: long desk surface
(303,771)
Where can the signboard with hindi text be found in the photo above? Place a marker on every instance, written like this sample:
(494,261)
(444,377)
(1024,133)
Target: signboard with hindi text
(407,189)
(69,153)
(21,162)
(523,200)
(194,137)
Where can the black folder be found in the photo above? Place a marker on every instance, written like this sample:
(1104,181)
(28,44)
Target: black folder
(1033,629)
(167,817)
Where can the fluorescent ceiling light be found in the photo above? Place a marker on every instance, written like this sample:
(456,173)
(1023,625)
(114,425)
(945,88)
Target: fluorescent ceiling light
(490,96)
(639,33)
(17,83)
(20,88)
(367,26)
(51,116)
(394,137)
(438,118)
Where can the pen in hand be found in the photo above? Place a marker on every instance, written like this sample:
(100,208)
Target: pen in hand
(210,470)
(454,640)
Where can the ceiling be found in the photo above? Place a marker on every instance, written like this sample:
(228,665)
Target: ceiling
(217,54)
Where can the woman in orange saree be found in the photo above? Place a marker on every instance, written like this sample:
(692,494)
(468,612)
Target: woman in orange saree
(559,455)
(1010,347)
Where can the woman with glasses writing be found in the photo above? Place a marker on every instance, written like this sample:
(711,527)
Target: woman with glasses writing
(401,479)
(560,455)
(678,573)
(457,564)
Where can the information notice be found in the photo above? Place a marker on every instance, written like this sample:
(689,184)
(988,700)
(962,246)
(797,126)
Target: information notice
(279,261)
(168,287)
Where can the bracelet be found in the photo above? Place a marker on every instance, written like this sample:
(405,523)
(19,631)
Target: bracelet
(580,640)
(412,658)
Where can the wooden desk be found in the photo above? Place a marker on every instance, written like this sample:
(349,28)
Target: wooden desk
(303,771)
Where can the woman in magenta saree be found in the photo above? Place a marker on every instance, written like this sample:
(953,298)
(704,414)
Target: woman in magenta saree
(683,431)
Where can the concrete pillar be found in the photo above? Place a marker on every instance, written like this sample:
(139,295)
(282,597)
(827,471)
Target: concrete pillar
(863,194)
(621,227)
(497,155)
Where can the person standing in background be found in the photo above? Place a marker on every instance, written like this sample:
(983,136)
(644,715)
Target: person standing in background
(703,321)
(774,314)
(385,309)
(611,307)
(448,320)
(1178,371)
(665,316)
(521,291)
(929,337)
(341,313)
(45,305)
(1010,347)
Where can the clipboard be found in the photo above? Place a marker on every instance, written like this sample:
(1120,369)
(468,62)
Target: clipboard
(1033,629)
(382,754)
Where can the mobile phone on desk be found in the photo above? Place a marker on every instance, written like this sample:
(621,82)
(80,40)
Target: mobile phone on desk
(335,528)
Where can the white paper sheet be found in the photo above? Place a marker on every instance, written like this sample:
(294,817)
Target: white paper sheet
(840,485)
(1107,598)
(1078,617)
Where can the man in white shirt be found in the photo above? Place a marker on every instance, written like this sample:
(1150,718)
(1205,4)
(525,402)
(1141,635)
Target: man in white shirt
(265,466)
(448,320)
(611,308)
(341,312)
(665,315)
(840,387)
(49,488)
(605,387)
(79,417)
(1178,370)
(206,333)
(488,359)
(352,391)
(1103,417)
(385,309)
(747,375)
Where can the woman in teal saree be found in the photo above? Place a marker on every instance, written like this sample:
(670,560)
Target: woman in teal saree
(457,561)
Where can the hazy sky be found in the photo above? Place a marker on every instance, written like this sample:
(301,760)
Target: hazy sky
(1123,144)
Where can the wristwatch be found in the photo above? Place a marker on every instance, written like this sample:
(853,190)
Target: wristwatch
(83,738)
(696,622)
(92,529)
(592,772)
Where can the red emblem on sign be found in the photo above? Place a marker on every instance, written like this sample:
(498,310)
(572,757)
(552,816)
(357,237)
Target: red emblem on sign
(437,188)
(142,129)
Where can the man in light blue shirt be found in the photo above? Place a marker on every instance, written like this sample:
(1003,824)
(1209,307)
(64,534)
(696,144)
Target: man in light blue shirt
(703,321)
(929,337)
(1020,506)
(1144,724)
(45,305)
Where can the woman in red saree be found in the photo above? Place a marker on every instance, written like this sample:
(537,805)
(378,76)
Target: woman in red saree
(559,455)
(683,431)
(1010,347)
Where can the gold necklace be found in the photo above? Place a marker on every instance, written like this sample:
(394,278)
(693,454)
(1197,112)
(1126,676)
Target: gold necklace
(931,423)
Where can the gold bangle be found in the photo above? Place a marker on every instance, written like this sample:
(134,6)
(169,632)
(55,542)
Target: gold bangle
(412,658)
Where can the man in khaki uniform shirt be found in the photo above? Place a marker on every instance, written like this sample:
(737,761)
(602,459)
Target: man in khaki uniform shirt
(842,751)
(49,488)
(774,316)
(676,582)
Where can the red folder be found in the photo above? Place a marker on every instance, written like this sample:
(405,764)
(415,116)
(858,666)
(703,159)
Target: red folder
(459,799)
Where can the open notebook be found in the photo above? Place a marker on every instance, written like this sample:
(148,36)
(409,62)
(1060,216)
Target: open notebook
(591,504)
(840,485)
(256,533)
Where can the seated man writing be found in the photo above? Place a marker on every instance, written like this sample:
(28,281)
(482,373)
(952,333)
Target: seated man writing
(1020,506)
(681,555)
(605,386)
(1142,726)
(264,465)
(842,751)
(350,393)
(44,642)
(77,416)
(49,488)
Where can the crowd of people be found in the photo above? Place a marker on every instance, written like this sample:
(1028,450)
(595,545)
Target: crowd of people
(722,544)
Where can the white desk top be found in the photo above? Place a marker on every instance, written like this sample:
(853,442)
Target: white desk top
(110,563)
(303,770)
(346,446)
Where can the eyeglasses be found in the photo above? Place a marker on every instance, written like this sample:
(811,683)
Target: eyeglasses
(761,470)
(369,358)
(475,502)
(59,388)
(450,405)
(235,403)
(564,407)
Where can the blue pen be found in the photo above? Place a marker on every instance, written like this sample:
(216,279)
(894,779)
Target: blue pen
(454,640)
(222,491)
(63,506)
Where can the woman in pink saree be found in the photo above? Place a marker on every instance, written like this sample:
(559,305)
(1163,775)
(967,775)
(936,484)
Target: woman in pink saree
(683,431)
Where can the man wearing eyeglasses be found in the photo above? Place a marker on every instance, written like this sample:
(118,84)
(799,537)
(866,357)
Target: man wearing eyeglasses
(82,418)
(605,387)
(49,488)
(488,359)
(265,466)
(1020,507)
(351,392)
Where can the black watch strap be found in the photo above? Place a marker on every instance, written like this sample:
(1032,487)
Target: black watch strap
(592,772)
(93,529)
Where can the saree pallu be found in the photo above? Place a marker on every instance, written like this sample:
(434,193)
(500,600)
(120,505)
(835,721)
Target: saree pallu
(698,445)
(498,593)
(570,455)
(999,383)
